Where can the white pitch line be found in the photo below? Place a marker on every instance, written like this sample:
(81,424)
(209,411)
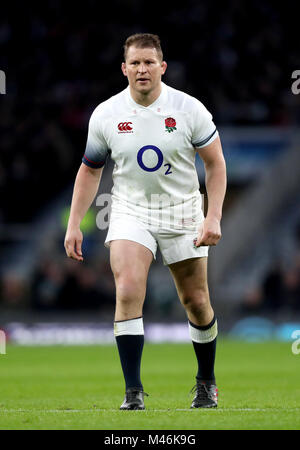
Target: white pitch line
(55,411)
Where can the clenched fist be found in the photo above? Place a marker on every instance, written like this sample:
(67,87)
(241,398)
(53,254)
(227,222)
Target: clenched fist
(209,233)
(73,242)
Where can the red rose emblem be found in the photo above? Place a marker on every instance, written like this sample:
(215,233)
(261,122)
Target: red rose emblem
(170,122)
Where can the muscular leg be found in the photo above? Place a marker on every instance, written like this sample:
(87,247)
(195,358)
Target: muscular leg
(190,277)
(130,264)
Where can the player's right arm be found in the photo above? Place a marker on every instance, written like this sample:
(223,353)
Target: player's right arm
(87,182)
(85,189)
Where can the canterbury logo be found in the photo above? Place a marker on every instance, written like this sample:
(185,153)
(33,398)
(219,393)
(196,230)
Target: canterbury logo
(125,127)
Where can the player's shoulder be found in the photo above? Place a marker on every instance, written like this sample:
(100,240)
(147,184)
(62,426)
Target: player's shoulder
(184,102)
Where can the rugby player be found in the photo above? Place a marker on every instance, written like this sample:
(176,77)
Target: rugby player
(152,132)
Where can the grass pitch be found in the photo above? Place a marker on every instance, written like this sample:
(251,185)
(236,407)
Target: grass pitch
(82,388)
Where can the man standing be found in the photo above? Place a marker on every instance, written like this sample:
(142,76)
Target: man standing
(153,132)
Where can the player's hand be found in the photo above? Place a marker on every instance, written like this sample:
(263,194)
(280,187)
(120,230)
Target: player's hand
(73,242)
(209,233)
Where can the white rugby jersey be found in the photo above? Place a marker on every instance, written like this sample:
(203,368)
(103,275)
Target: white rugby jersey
(153,148)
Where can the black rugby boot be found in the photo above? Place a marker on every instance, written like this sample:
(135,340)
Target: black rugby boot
(134,399)
(206,395)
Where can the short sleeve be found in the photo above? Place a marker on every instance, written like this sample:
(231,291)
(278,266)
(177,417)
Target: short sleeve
(204,129)
(96,150)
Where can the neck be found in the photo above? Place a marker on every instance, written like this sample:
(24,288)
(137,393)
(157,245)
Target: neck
(146,99)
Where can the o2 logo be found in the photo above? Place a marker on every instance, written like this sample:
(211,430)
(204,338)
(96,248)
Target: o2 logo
(160,159)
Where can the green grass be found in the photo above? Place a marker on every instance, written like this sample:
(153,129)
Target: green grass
(82,388)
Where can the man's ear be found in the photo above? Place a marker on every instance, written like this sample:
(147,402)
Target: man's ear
(164,66)
(123,68)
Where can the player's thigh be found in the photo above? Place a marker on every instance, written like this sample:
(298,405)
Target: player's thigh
(130,261)
(190,277)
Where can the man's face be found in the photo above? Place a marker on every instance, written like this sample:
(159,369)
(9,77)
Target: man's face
(143,68)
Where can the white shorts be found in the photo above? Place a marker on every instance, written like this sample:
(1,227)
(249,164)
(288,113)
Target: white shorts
(175,245)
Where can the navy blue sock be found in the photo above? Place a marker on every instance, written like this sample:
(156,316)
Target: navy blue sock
(205,354)
(130,350)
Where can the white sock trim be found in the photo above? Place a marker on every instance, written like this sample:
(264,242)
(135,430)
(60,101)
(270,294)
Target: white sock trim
(203,336)
(132,326)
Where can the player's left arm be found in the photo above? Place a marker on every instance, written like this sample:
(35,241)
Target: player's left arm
(216,182)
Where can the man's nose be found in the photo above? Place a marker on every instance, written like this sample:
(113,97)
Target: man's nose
(142,68)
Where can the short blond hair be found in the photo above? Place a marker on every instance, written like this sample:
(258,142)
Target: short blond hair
(143,40)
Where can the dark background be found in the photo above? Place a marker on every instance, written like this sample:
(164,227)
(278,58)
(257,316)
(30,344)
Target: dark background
(62,59)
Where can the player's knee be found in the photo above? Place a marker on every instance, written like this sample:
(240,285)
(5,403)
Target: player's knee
(127,274)
(125,294)
(196,301)
(129,289)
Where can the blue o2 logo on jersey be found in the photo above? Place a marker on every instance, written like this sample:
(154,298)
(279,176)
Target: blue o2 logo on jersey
(159,156)
(160,159)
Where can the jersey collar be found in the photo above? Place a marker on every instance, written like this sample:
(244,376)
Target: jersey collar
(156,105)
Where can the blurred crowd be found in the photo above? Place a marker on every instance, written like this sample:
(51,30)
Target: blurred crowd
(279,290)
(59,284)
(63,58)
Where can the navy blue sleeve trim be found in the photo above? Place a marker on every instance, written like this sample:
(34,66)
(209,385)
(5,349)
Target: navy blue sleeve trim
(205,140)
(92,164)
